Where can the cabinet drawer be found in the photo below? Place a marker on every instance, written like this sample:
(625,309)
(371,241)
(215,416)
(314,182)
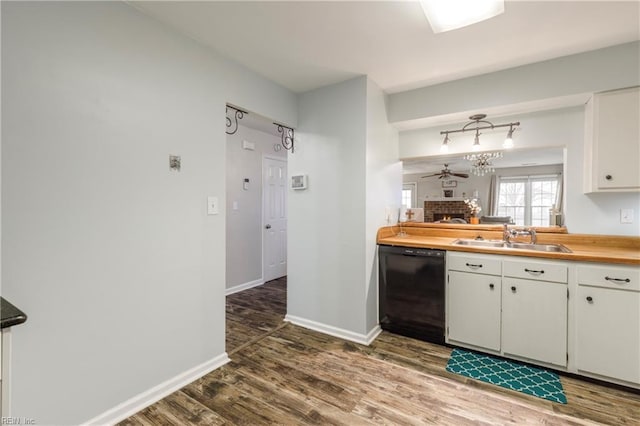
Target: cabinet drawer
(477,263)
(619,277)
(532,270)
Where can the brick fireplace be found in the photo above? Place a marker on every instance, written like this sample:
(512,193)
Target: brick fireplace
(439,210)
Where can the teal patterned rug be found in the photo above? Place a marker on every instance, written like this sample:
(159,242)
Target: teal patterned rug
(511,375)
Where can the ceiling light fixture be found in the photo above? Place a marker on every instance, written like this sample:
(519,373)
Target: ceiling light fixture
(444,148)
(481,163)
(446,15)
(508,142)
(480,124)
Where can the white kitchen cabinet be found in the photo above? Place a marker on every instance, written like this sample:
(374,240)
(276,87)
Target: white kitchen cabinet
(608,322)
(473,309)
(612,141)
(534,310)
(534,320)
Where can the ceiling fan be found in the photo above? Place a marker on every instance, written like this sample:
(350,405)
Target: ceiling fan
(446,173)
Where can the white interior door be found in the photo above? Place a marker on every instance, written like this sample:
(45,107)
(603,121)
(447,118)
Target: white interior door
(274,252)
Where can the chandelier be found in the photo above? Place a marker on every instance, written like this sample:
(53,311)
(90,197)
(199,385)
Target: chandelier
(481,163)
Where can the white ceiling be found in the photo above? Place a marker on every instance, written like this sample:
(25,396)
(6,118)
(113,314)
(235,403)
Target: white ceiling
(303,45)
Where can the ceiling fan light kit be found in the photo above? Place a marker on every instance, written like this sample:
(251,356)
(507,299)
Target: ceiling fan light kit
(446,174)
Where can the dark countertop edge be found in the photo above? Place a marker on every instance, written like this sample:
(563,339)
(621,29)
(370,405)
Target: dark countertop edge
(10,315)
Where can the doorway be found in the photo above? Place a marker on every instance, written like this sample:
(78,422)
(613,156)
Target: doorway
(256,229)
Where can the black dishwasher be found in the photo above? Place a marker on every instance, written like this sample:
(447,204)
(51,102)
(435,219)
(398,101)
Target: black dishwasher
(411,292)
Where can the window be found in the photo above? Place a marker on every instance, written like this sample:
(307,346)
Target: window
(527,199)
(409,191)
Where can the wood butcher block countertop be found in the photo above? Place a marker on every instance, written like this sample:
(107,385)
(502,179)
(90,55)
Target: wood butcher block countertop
(584,247)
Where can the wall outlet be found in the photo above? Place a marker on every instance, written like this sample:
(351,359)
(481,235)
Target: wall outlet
(626,215)
(212,205)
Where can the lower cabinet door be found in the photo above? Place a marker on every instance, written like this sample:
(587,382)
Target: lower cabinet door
(608,333)
(473,309)
(534,320)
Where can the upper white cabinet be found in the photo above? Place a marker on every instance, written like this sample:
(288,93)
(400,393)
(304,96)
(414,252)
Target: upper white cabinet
(612,141)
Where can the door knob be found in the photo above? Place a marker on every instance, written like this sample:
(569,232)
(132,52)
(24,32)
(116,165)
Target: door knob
(268,226)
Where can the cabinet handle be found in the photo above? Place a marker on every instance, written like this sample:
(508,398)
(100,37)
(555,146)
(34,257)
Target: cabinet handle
(533,271)
(618,280)
(589,299)
(513,288)
(473,265)
(491,286)
(608,177)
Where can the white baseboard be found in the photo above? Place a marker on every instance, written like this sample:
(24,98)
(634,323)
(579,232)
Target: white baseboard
(156,393)
(245,286)
(371,336)
(363,339)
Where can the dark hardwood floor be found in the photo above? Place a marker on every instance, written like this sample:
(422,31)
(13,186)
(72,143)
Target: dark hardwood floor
(283,374)
(254,313)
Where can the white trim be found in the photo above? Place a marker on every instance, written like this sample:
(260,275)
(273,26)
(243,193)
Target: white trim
(373,334)
(156,393)
(363,339)
(5,365)
(241,287)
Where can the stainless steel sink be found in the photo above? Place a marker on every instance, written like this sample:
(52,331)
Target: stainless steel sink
(552,248)
(479,243)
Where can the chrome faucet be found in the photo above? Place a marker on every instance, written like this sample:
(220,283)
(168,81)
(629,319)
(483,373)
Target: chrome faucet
(508,234)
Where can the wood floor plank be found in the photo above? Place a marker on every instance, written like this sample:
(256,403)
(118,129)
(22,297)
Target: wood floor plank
(283,374)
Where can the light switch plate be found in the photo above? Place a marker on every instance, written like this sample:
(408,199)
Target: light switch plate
(626,215)
(212,205)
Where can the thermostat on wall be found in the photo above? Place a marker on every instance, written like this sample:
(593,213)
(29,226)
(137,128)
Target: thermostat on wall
(299,182)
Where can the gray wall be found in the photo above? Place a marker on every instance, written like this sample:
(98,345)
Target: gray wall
(244,225)
(349,152)
(598,70)
(111,255)
(384,185)
(326,233)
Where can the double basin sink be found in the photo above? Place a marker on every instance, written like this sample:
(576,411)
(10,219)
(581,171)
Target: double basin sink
(551,248)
